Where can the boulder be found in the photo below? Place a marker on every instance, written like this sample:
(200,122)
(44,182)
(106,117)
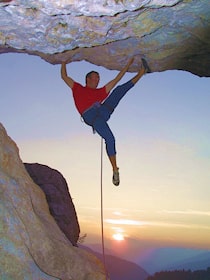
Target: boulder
(58,198)
(32,246)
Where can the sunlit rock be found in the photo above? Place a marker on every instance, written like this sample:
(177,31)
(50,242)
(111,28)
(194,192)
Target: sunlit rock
(31,244)
(170,34)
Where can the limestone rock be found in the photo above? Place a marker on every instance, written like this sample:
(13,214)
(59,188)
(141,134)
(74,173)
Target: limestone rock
(59,200)
(32,246)
(170,34)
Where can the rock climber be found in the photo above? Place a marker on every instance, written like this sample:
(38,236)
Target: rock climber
(96,105)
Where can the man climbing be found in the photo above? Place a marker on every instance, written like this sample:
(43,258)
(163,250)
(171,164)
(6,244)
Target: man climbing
(96,105)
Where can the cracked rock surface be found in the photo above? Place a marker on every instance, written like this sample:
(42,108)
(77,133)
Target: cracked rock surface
(170,34)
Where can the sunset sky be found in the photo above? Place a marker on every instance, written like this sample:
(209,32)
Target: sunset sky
(162,130)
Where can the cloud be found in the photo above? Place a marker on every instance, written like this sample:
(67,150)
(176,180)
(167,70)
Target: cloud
(124,222)
(154,224)
(186,212)
(176,225)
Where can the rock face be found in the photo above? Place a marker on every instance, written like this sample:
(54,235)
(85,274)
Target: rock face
(170,34)
(32,246)
(59,200)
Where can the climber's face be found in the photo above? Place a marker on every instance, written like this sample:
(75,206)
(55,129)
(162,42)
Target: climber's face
(93,80)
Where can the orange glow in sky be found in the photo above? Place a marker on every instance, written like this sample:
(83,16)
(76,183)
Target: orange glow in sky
(118,236)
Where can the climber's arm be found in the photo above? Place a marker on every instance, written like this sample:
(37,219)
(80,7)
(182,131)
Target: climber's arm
(68,80)
(109,86)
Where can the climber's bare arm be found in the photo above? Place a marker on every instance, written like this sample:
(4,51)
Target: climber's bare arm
(68,80)
(109,86)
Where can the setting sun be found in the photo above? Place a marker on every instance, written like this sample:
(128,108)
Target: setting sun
(118,236)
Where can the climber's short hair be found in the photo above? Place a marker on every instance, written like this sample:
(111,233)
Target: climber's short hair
(88,75)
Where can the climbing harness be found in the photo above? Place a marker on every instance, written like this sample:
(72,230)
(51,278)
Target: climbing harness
(102,218)
(95,106)
(91,123)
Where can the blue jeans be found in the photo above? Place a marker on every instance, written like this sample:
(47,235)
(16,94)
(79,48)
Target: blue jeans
(98,115)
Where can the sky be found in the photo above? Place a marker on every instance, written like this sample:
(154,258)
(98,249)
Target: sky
(162,136)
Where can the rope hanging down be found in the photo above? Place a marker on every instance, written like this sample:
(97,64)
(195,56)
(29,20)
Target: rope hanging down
(102,218)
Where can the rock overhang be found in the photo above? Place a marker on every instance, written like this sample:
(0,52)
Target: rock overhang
(169,34)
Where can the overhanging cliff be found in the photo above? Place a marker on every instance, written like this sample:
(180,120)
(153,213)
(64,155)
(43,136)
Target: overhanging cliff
(170,34)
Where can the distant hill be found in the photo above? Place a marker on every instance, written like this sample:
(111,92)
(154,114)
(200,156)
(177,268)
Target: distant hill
(201,261)
(176,258)
(181,275)
(120,269)
(162,259)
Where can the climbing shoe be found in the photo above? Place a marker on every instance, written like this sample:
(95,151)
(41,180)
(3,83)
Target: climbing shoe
(146,66)
(116,178)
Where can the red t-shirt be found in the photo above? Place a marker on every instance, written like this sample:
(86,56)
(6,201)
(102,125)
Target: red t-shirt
(85,97)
